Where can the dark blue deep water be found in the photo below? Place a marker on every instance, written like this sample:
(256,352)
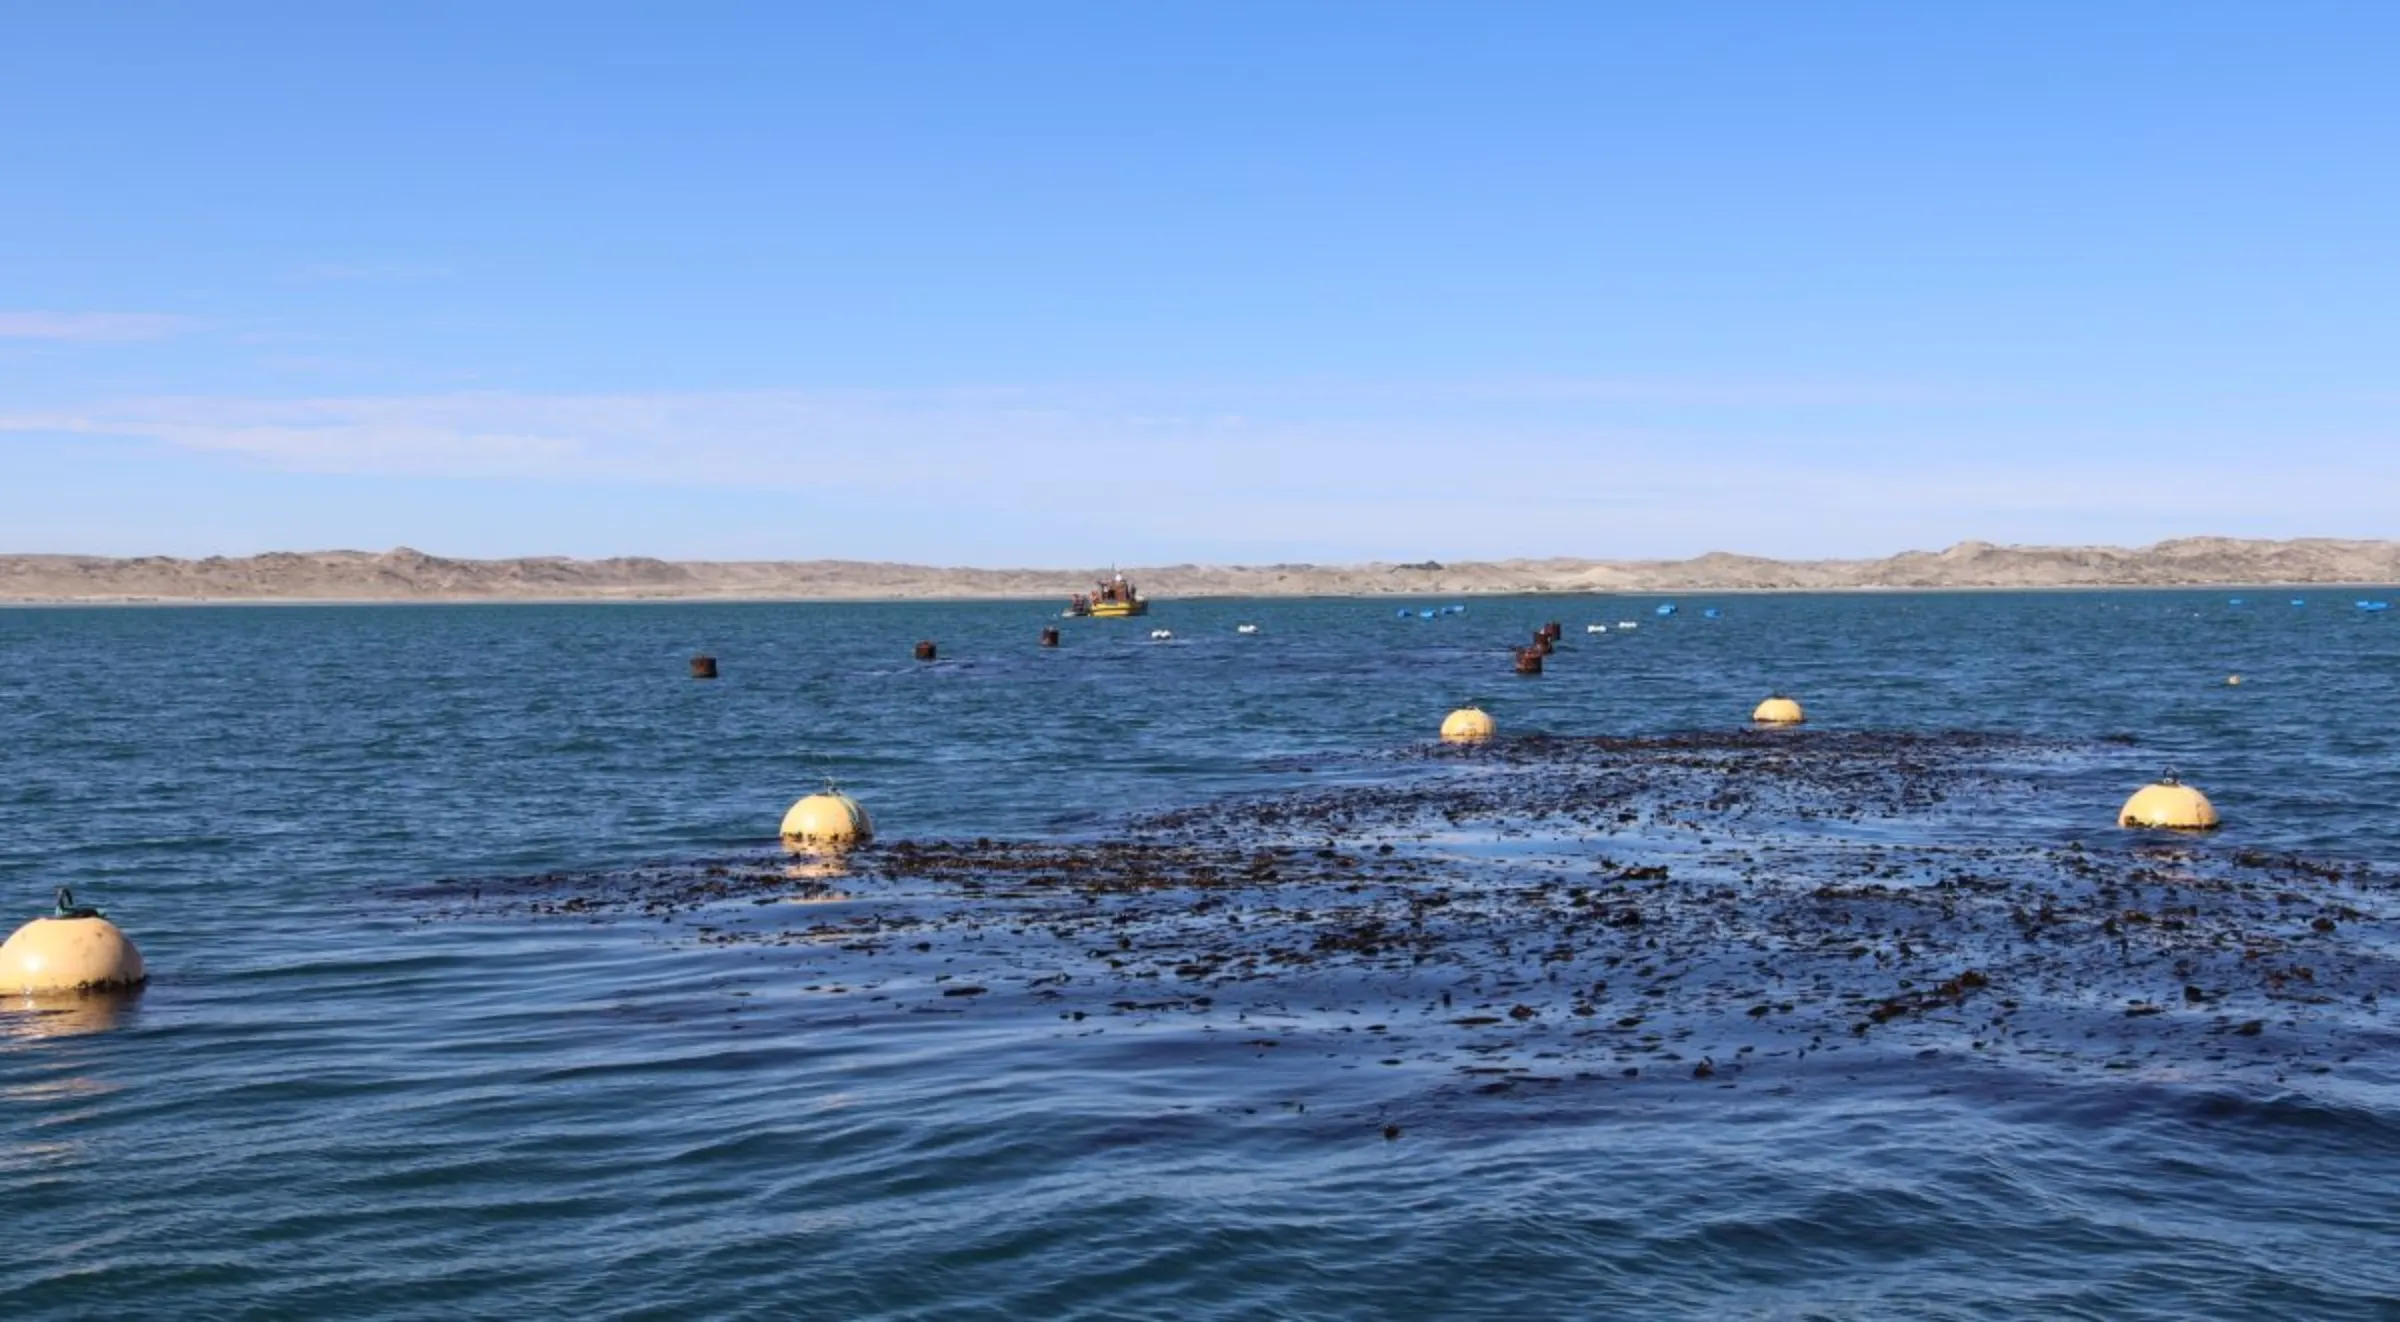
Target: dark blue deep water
(334,1100)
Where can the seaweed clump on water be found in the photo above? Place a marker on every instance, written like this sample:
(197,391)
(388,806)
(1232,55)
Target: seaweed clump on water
(1535,909)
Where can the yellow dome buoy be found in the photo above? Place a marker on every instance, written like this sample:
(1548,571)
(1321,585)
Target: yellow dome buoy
(75,949)
(830,818)
(2169,804)
(1466,725)
(1779,710)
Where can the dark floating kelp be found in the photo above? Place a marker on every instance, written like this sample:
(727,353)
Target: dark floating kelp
(1536,910)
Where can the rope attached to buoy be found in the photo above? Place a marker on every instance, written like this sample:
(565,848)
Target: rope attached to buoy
(65,907)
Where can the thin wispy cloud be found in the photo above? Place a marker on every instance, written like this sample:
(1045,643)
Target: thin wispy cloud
(368,272)
(1395,480)
(94,327)
(967,439)
(1745,393)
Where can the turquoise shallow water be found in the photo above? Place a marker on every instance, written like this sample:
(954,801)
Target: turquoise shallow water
(331,1103)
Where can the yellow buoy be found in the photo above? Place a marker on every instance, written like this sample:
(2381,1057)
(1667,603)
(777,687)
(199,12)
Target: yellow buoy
(2170,804)
(74,950)
(831,818)
(1466,725)
(1779,710)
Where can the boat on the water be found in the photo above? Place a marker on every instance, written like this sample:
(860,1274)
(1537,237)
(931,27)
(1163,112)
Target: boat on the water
(1113,599)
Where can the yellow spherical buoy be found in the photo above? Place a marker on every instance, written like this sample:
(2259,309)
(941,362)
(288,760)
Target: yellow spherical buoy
(75,950)
(1779,710)
(2169,804)
(1466,725)
(831,818)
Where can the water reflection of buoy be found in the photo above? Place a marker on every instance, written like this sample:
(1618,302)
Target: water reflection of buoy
(1466,725)
(2170,805)
(830,818)
(815,869)
(1779,710)
(65,1014)
(810,864)
(74,949)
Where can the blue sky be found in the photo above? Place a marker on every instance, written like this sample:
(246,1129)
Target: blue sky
(1073,284)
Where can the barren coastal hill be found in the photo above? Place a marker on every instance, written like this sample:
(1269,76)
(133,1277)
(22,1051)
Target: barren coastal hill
(408,575)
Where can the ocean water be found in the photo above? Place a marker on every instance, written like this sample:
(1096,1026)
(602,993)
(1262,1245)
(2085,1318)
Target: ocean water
(354,1088)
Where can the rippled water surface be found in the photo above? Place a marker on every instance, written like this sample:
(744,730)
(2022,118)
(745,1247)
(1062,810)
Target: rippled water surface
(350,1091)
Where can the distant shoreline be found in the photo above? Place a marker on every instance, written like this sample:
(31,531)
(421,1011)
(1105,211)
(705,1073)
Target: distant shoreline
(162,603)
(406,577)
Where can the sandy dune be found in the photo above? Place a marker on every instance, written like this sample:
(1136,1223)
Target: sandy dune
(407,575)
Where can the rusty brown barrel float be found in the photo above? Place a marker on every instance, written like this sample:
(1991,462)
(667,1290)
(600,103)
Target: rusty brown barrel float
(1541,643)
(704,667)
(1529,661)
(1050,637)
(1553,630)
(925,650)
